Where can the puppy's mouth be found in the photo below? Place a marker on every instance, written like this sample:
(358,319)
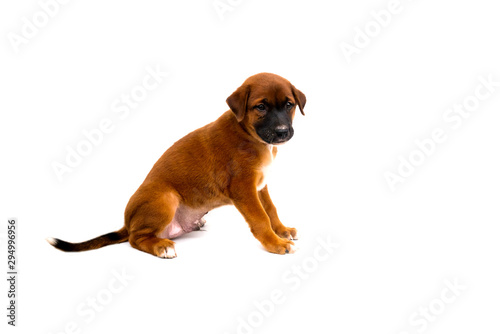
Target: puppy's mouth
(275,137)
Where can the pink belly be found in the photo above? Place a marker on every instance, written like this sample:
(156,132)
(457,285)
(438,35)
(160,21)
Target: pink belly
(186,220)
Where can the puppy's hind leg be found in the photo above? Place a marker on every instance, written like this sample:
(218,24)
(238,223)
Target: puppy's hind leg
(148,222)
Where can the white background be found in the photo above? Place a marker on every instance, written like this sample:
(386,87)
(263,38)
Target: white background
(397,248)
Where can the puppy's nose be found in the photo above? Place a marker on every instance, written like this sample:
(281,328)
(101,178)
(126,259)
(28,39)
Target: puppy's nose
(282,131)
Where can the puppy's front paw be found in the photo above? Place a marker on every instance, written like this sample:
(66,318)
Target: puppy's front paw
(280,246)
(288,233)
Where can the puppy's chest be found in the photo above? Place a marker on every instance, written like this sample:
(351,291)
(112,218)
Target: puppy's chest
(265,171)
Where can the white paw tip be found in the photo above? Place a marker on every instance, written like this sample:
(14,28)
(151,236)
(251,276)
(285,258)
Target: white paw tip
(170,254)
(293,249)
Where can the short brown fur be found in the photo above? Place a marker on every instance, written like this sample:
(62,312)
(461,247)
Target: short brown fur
(218,164)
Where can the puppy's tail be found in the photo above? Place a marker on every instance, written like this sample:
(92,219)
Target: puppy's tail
(101,241)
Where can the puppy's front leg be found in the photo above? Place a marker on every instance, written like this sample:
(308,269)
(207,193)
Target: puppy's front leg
(277,226)
(252,210)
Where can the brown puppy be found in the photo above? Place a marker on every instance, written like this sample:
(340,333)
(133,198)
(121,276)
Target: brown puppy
(224,162)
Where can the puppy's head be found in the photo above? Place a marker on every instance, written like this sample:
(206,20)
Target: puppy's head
(265,106)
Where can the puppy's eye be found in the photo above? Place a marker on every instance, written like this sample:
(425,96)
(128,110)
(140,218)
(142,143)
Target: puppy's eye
(289,105)
(260,107)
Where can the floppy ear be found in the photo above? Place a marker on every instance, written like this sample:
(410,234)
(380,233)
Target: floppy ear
(300,98)
(238,102)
